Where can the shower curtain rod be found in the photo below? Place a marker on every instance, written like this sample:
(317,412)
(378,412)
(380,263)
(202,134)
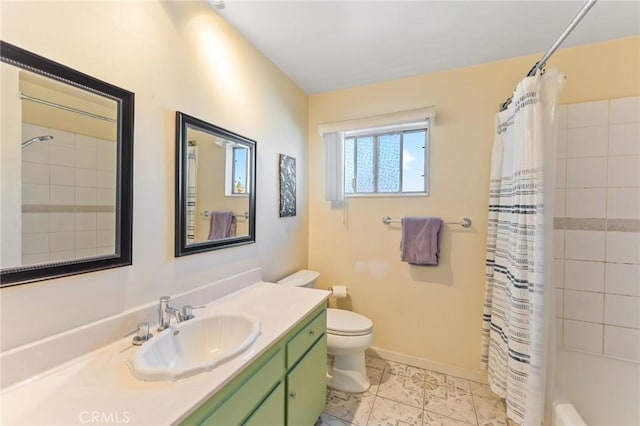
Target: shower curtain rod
(65,108)
(541,63)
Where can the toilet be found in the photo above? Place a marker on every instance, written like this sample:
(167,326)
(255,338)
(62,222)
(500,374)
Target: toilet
(348,335)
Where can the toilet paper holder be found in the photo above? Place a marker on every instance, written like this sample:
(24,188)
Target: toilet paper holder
(338,291)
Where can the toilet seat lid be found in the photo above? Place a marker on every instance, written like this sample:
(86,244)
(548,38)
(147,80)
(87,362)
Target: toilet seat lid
(347,323)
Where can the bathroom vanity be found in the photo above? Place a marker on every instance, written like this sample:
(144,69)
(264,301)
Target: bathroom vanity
(279,380)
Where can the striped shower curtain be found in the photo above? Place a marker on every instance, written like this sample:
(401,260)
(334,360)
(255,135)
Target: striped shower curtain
(192,187)
(516,308)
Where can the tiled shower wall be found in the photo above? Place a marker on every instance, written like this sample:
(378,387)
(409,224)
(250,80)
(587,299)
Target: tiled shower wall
(597,228)
(68,196)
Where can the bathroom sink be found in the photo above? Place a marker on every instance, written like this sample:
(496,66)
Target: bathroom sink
(194,346)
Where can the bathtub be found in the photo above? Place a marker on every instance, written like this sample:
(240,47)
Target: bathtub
(595,390)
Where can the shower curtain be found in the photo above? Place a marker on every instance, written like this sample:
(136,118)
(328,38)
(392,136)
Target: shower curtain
(192,174)
(518,307)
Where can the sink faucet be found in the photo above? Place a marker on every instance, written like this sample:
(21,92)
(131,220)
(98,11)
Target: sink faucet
(164,313)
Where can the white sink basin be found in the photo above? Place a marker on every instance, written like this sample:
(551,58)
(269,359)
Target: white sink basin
(194,346)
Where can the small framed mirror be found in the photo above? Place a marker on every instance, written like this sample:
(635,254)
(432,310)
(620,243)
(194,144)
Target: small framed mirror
(66,156)
(215,187)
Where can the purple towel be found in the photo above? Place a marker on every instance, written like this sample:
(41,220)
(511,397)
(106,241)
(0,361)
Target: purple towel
(222,225)
(420,243)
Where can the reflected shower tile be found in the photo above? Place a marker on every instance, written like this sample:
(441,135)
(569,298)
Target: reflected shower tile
(387,412)
(455,404)
(352,407)
(408,390)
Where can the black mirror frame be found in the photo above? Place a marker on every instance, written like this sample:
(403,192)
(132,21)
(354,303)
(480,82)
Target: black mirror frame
(181,247)
(21,58)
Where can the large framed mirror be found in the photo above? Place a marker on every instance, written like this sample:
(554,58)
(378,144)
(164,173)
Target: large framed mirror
(66,175)
(215,187)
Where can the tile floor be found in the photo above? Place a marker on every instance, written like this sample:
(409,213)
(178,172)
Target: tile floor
(404,395)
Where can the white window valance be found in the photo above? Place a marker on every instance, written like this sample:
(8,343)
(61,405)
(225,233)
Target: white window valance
(376,121)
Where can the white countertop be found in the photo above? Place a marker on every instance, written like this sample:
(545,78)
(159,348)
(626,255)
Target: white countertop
(99,388)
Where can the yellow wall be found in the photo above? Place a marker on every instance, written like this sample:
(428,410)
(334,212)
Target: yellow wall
(175,56)
(434,313)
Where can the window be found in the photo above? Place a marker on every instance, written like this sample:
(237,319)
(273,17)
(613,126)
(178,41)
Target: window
(236,170)
(386,161)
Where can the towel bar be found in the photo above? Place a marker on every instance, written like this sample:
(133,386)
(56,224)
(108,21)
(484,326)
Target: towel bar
(205,214)
(465,222)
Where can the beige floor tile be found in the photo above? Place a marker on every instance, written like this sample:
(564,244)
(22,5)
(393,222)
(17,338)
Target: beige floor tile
(386,412)
(406,390)
(352,407)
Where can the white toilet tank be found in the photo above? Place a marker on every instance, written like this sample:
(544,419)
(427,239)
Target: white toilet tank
(303,278)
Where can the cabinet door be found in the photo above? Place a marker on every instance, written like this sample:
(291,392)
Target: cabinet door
(271,411)
(307,386)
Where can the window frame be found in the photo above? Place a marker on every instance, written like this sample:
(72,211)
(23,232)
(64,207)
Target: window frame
(375,133)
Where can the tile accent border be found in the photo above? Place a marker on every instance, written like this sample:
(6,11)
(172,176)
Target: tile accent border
(66,208)
(596,224)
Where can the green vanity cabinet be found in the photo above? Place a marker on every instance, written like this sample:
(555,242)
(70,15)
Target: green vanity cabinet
(285,386)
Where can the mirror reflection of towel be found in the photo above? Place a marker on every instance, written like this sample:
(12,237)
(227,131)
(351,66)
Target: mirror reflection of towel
(421,240)
(222,225)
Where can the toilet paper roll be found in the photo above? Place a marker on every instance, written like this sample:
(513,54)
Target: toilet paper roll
(339,291)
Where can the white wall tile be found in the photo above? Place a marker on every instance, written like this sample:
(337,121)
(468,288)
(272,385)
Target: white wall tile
(86,178)
(559,202)
(559,332)
(587,172)
(558,267)
(62,241)
(62,175)
(623,247)
(624,171)
(585,276)
(64,195)
(588,114)
(560,303)
(623,203)
(86,221)
(583,305)
(105,179)
(35,222)
(85,240)
(584,245)
(624,139)
(35,173)
(62,156)
(106,152)
(622,279)
(85,143)
(38,152)
(590,141)
(105,197)
(35,243)
(106,221)
(623,311)
(31,131)
(561,116)
(561,173)
(622,342)
(60,222)
(104,251)
(35,194)
(62,138)
(561,149)
(625,110)
(584,336)
(586,203)
(558,244)
(86,159)
(85,196)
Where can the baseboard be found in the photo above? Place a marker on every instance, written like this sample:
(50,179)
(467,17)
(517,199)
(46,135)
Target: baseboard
(475,375)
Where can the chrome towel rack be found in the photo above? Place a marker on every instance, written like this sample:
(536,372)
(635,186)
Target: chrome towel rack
(205,214)
(465,222)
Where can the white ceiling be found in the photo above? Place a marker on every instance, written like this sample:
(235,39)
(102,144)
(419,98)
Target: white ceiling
(329,45)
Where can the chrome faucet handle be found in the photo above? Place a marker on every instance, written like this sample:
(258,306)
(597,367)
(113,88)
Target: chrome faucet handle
(187,311)
(163,318)
(142,334)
